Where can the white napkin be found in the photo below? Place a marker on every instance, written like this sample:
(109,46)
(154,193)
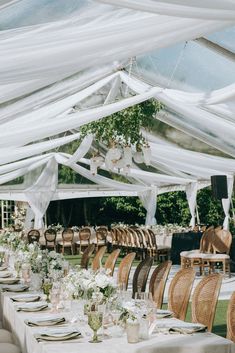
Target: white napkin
(60,334)
(5,274)
(46,321)
(177,326)
(15,288)
(32,306)
(26,298)
(163,313)
(9,280)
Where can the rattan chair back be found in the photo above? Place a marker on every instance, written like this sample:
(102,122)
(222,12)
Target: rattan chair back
(222,241)
(97,261)
(231,318)
(179,292)
(33,236)
(158,282)
(124,270)
(50,238)
(111,261)
(141,275)
(204,300)
(67,235)
(87,255)
(206,240)
(84,234)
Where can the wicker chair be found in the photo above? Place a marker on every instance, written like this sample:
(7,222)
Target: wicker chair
(124,269)
(33,236)
(141,275)
(158,281)
(67,240)
(101,236)
(87,255)
(231,319)
(204,300)
(97,261)
(111,261)
(221,245)
(50,238)
(194,258)
(84,239)
(179,292)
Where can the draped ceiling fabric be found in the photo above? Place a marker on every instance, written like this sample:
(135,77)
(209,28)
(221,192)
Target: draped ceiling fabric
(65,63)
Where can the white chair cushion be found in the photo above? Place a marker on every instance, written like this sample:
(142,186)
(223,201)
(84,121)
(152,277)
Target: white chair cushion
(217,256)
(5,336)
(9,348)
(189,253)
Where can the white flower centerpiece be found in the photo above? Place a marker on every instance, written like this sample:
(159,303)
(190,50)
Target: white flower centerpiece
(97,287)
(52,264)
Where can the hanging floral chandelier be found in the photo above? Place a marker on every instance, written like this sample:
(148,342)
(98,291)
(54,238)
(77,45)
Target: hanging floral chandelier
(119,158)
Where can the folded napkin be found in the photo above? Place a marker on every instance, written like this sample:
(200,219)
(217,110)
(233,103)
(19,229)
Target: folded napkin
(26,298)
(5,274)
(9,280)
(15,288)
(3,268)
(163,313)
(46,321)
(57,335)
(32,307)
(180,327)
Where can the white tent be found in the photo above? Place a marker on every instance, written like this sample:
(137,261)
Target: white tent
(66,63)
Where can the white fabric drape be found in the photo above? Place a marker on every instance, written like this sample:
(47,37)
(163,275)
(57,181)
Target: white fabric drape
(191,194)
(42,191)
(203,9)
(226,202)
(62,48)
(149,201)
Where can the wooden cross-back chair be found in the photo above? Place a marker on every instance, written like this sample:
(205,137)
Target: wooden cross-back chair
(97,261)
(86,256)
(111,261)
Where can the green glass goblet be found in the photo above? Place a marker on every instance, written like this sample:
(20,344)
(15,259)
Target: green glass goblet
(95,319)
(46,287)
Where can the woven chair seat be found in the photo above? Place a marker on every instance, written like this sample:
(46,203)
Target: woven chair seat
(191,253)
(83,242)
(163,248)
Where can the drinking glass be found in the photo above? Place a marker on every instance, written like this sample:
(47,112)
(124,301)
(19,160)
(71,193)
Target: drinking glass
(17,267)
(95,319)
(46,287)
(55,300)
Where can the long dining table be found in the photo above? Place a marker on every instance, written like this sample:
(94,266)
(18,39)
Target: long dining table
(159,342)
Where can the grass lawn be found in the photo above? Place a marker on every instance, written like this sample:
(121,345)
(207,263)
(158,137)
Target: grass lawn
(219,326)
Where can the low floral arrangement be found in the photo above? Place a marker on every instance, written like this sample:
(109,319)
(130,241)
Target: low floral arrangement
(87,284)
(57,227)
(52,263)
(10,239)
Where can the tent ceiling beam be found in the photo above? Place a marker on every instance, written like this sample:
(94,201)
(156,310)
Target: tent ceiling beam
(216,48)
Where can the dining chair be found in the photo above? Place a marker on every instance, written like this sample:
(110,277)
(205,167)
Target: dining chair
(141,275)
(33,236)
(84,236)
(205,299)
(111,261)
(97,261)
(67,240)
(50,238)
(124,270)
(179,292)
(101,236)
(231,318)
(86,256)
(158,282)
(221,245)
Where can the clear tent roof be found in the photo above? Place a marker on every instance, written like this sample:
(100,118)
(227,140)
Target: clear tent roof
(187,66)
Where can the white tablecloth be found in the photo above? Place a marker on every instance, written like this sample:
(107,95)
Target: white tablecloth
(158,343)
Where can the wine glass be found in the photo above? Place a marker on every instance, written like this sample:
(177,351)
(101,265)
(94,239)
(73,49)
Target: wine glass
(55,300)
(46,287)
(17,267)
(95,320)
